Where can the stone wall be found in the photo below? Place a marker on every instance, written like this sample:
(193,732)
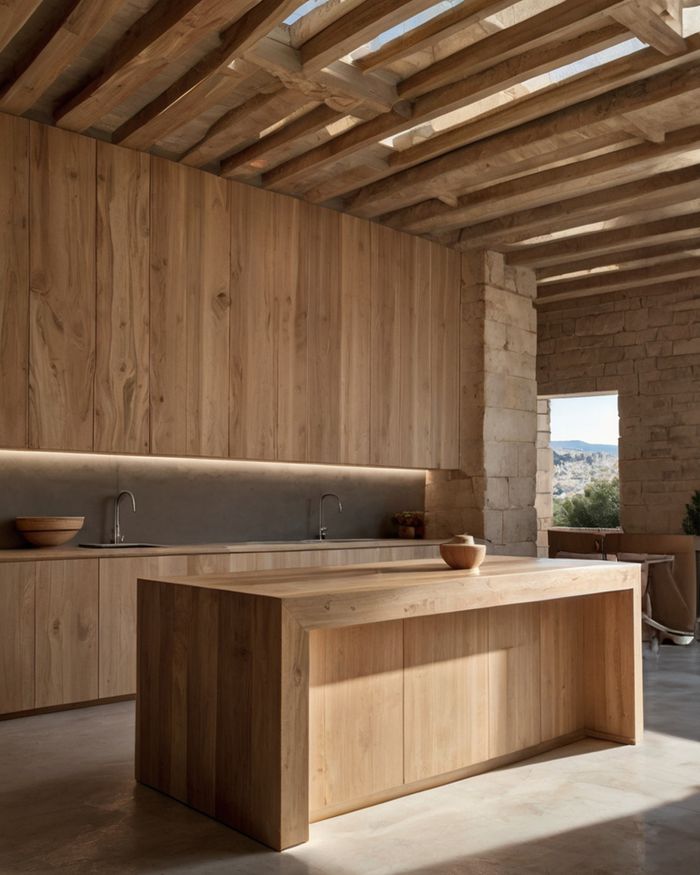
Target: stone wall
(545,476)
(645,345)
(493,493)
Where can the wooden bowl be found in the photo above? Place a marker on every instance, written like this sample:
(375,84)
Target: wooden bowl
(49,531)
(463,556)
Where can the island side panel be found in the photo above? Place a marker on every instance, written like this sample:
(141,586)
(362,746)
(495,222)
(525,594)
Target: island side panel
(561,660)
(211,708)
(446,714)
(613,666)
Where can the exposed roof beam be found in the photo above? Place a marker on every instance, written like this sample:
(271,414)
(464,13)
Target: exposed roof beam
(183,99)
(572,249)
(669,287)
(674,187)
(257,156)
(426,35)
(56,49)
(582,120)
(635,257)
(14,14)
(444,100)
(658,24)
(614,280)
(164,33)
(682,148)
(238,125)
(560,22)
(362,24)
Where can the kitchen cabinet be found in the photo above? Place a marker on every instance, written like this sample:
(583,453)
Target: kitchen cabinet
(66,618)
(117,618)
(17,636)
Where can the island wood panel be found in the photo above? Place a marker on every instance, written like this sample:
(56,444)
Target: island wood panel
(514,678)
(122,331)
(17,637)
(355,713)
(562,659)
(385,353)
(190,279)
(612,656)
(62,289)
(291,309)
(446,681)
(255,274)
(319,276)
(117,617)
(14,279)
(415,449)
(210,730)
(66,631)
(445,393)
(355,319)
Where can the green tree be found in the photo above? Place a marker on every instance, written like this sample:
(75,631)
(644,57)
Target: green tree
(597,508)
(691,521)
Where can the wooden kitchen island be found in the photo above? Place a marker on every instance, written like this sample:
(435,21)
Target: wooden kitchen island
(271,699)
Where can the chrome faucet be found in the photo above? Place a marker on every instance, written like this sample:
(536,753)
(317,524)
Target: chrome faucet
(117,536)
(323,530)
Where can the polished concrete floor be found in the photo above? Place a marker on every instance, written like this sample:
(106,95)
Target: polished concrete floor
(68,803)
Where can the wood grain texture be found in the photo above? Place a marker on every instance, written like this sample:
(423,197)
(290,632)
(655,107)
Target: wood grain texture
(66,632)
(62,287)
(17,637)
(122,333)
(190,279)
(561,660)
(13,15)
(117,618)
(445,394)
(355,713)
(514,678)
(14,280)
(254,275)
(446,714)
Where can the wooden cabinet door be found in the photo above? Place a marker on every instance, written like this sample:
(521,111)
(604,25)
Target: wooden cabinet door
(66,631)
(117,617)
(17,636)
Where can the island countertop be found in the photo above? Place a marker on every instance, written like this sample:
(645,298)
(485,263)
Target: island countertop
(353,594)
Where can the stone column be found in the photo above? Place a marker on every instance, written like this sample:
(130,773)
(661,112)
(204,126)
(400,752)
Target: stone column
(493,493)
(545,476)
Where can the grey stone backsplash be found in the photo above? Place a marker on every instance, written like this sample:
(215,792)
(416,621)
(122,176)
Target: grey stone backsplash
(193,501)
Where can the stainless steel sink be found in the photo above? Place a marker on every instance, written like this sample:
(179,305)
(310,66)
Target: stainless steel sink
(120,546)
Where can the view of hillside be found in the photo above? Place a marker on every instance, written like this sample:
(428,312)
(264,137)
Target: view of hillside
(577,463)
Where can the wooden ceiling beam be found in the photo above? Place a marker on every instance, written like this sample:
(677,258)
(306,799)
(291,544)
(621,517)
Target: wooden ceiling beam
(682,148)
(359,26)
(572,249)
(183,100)
(240,124)
(615,280)
(426,35)
(159,37)
(445,100)
(658,24)
(635,257)
(561,22)
(674,187)
(257,157)
(14,14)
(56,49)
(448,171)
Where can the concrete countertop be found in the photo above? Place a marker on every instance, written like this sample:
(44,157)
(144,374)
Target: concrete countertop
(33,554)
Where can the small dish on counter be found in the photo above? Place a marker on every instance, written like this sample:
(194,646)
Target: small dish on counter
(461,553)
(49,531)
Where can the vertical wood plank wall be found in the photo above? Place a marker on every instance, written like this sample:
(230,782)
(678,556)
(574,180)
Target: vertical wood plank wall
(149,307)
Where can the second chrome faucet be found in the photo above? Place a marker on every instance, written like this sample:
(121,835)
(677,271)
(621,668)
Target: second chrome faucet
(322,529)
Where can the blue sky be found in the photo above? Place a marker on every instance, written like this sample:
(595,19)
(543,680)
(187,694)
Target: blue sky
(593,419)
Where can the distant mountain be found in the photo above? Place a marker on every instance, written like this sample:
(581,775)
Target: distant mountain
(583,447)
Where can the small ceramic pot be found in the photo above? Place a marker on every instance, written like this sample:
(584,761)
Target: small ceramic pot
(462,553)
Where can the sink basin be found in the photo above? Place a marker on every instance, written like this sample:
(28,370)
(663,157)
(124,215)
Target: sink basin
(122,545)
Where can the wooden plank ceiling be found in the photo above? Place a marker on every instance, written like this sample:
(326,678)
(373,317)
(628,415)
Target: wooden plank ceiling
(565,133)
